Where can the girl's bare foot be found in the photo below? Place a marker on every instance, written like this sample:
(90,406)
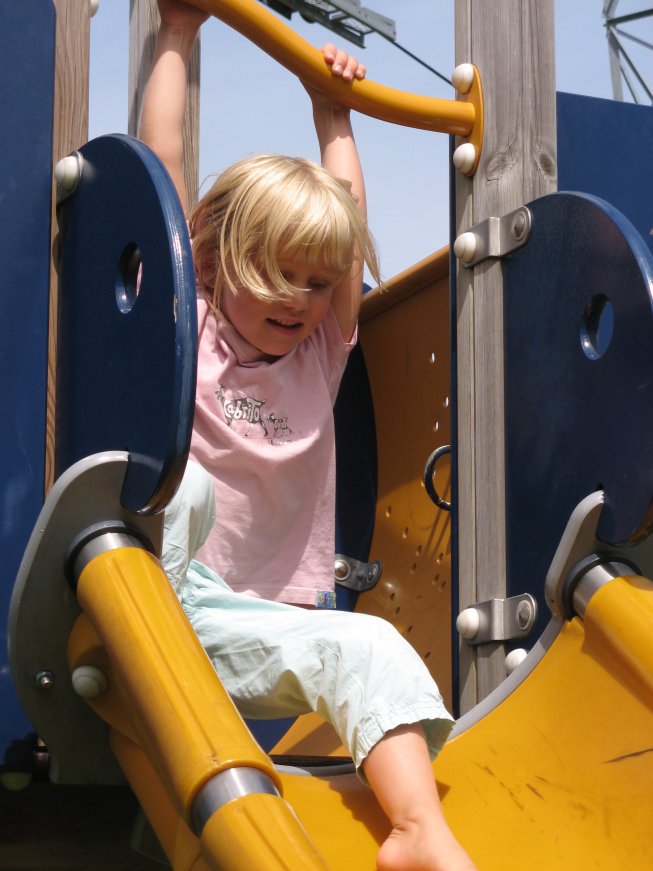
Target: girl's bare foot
(414,846)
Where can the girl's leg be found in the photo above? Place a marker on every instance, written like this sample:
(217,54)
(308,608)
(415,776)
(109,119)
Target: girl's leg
(277,660)
(399,771)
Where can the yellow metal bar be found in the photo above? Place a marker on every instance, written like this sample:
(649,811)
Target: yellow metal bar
(456,117)
(228,838)
(618,625)
(180,714)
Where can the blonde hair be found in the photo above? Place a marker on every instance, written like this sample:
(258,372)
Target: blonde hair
(265,208)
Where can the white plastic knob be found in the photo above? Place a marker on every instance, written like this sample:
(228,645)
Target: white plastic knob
(515,658)
(67,172)
(464,158)
(465,247)
(15,780)
(468,623)
(462,77)
(94,5)
(89,682)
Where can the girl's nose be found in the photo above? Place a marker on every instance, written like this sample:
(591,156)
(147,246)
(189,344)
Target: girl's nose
(298,302)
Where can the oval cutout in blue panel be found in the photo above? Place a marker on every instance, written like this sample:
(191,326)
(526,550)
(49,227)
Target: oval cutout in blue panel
(597,327)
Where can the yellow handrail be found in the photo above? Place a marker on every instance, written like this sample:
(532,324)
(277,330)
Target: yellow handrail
(249,17)
(181,715)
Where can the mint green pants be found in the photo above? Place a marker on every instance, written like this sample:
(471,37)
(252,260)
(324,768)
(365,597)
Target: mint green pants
(277,660)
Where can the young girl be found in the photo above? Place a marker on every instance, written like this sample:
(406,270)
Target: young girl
(278,245)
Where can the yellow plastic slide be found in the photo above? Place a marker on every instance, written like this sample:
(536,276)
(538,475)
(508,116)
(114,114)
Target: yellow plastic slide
(558,775)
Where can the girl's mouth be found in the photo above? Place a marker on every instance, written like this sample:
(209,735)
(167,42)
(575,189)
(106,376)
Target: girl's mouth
(287,326)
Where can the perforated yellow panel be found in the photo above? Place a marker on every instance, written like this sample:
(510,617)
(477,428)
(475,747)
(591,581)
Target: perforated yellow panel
(405,340)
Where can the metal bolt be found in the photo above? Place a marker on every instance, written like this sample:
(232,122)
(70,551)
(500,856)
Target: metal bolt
(341,569)
(519,225)
(524,614)
(44,680)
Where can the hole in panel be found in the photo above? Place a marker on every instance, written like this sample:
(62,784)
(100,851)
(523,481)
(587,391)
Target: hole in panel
(597,327)
(128,278)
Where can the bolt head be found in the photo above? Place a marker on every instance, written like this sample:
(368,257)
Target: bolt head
(524,614)
(44,680)
(519,225)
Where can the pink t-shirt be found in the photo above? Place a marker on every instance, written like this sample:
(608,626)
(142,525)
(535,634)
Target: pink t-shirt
(264,430)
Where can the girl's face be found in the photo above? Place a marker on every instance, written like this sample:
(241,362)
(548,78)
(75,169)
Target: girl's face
(275,327)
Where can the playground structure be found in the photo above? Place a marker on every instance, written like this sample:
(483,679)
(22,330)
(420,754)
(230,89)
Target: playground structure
(540,769)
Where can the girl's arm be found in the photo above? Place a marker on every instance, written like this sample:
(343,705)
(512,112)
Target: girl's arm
(164,100)
(340,156)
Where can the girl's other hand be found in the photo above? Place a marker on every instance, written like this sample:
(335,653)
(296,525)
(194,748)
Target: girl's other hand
(342,64)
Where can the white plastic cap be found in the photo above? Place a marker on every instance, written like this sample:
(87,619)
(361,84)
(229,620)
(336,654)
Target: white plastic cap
(462,77)
(468,623)
(67,172)
(93,6)
(464,157)
(89,682)
(465,247)
(515,658)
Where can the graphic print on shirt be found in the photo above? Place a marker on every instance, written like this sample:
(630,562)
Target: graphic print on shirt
(247,410)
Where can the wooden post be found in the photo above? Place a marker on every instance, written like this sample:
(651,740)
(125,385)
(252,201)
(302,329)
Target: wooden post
(70,131)
(512,44)
(144,22)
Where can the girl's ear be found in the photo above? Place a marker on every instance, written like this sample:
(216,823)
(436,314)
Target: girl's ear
(205,273)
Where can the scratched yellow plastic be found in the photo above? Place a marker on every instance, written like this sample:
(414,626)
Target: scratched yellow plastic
(561,774)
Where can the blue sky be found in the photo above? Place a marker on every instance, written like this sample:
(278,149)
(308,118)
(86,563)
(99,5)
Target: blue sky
(251,105)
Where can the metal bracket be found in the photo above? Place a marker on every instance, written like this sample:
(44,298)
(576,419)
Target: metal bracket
(356,575)
(582,557)
(494,237)
(498,619)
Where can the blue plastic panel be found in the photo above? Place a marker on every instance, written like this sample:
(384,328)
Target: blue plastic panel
(27,80)
(579,387)
(604,148)
(127,321)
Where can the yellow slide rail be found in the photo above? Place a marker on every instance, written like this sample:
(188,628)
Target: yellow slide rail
(462,117)
(163,696)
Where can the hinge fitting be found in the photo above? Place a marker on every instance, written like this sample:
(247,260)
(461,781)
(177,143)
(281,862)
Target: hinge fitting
(355,574)
(498,619)
(494,237)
